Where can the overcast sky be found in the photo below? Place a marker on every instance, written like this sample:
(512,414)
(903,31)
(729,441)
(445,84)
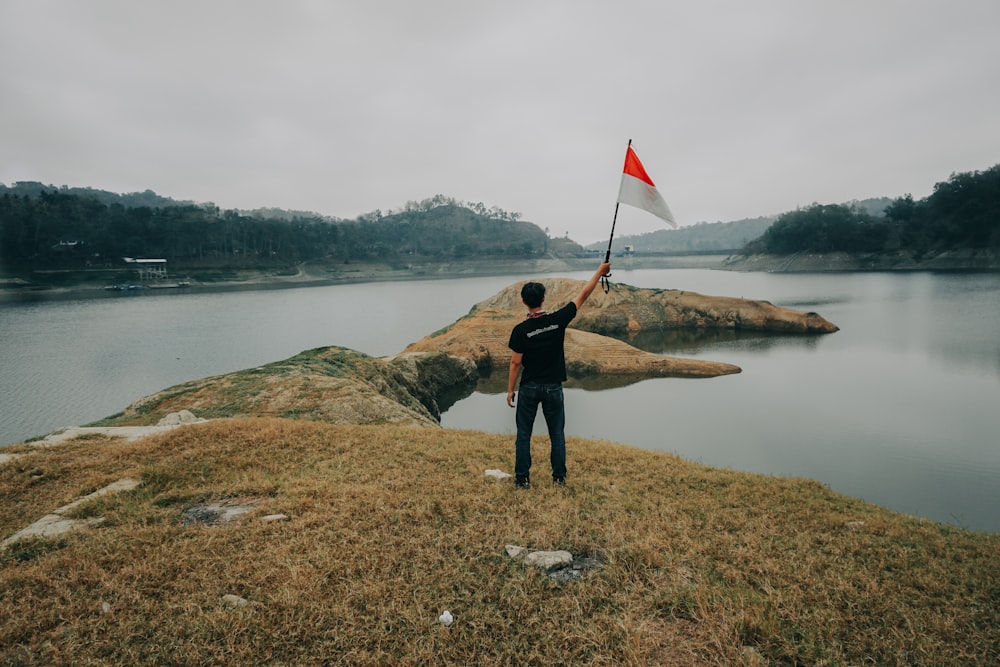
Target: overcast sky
(736,108)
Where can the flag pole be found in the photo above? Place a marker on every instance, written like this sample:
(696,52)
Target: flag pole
(605,283)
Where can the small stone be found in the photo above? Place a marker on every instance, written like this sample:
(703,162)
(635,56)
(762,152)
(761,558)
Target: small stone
(215,513)
(515,551)
(546,560)
(549,560)
(234,601)
(105,608)
(178,418)
(172,419)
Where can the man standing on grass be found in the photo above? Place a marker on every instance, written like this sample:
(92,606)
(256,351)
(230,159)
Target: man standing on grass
(538,356)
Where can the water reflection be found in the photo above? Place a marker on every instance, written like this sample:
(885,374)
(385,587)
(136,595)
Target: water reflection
(807,304)
(496,382)
(693,342)
(449,396)
(677,342)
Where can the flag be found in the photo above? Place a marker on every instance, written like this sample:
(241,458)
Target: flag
(637,190)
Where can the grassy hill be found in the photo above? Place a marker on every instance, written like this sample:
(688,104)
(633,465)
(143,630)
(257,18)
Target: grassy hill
(387,526)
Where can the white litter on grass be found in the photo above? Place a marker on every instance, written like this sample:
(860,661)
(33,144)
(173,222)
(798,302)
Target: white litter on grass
(446,618)
(499,474)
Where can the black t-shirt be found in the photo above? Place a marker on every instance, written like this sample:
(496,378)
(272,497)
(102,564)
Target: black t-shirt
(540,340)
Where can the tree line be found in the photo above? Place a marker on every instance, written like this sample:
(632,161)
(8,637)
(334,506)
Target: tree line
(53,228)
(961,213)
(42,227)
(701,237)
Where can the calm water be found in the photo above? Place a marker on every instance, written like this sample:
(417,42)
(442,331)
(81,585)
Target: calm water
(901,407)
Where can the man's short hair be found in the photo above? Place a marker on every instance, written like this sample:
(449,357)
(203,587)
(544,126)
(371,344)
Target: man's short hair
(533,294)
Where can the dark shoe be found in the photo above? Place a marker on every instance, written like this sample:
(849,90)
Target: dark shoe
(522,483)
(559,481)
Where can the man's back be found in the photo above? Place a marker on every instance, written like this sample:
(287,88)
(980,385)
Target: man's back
(540,339)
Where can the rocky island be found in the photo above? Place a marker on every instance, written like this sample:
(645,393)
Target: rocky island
(594,344)
(342,386)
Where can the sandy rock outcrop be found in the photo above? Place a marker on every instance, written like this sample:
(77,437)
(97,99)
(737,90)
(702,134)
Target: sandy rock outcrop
(482,335)
(627,309)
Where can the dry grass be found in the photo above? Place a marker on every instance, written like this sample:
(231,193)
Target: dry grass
(392,525)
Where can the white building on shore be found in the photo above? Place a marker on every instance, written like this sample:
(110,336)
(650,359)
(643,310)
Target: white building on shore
(148,269)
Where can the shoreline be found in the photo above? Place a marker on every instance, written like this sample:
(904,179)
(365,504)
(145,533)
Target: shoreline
(18,290)
(365,273)
(983,261)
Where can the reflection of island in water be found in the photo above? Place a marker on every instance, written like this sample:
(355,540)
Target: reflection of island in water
(667,341)
(620,338)
(658,342)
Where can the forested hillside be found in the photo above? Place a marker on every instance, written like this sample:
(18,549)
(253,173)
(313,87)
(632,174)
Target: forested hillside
(81,228)
(48,228)
(716,237)
(33,189)
(704,237)
(961,213)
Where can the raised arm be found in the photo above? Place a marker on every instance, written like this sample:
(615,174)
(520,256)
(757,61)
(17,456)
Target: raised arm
(603,270)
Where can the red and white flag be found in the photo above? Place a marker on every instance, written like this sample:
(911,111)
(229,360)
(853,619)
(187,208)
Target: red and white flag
(637,190)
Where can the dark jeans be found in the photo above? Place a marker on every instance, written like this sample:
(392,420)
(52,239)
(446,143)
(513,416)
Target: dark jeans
(550,396)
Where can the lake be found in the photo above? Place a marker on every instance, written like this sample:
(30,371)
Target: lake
(901,407)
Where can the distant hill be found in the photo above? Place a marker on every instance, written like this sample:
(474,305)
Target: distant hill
(962,213)
(704,237)
(715,237)
(47,228)
(147,198)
